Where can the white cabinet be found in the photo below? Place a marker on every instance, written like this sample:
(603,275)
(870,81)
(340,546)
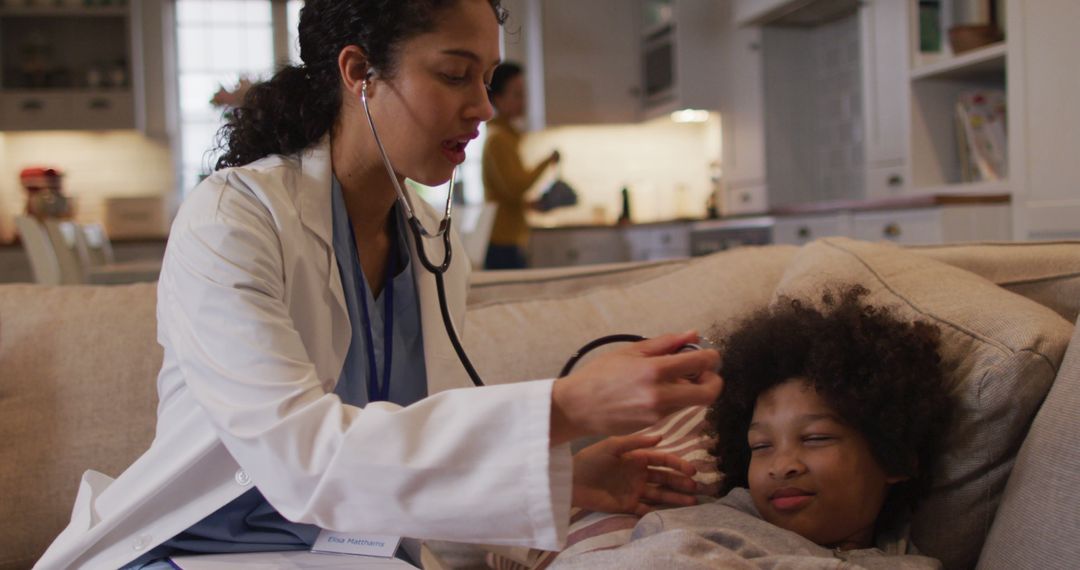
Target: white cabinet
(943,224)
(742,108)
(884,51)
(558,247)
(805,229)
(1044,119)
(656,242)
(582,65)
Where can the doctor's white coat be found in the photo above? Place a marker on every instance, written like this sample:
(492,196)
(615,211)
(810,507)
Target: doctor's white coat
(252,318)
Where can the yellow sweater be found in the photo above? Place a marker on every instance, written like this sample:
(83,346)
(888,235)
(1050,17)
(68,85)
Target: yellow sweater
(506,180)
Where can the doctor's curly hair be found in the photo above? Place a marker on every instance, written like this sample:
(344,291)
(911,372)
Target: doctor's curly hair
(882,375)
(299,104)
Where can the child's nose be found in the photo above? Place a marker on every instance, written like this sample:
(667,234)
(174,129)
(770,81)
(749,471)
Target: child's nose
(786,465)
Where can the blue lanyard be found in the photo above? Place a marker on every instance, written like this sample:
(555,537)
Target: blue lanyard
(377,393)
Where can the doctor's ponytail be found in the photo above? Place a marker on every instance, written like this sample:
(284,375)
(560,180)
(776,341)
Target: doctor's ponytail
(300,104)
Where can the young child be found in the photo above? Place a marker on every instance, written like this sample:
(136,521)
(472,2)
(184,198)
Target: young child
(827,432)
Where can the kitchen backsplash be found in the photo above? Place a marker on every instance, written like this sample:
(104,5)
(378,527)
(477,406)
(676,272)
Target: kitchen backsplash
(666,166)
(96,165)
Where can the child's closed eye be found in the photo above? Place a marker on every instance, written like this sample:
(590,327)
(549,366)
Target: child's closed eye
(818,439)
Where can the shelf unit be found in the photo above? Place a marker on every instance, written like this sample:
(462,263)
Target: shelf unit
(936,81)
(79,11)
(980,62)
(66,67)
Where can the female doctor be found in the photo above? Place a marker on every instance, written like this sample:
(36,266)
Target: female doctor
(308,382)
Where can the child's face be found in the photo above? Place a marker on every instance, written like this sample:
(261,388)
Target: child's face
(810,472)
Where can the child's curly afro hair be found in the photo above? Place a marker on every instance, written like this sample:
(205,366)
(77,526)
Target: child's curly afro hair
(881,374)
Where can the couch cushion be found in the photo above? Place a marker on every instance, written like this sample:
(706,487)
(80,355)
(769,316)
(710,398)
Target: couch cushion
(1045,272)
(1038,522)
(66,405)
(1001,353)
(486,287)
(532,338)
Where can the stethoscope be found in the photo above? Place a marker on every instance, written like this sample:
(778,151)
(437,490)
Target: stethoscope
(420,233)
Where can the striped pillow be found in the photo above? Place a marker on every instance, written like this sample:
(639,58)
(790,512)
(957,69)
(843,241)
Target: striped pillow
(683,435)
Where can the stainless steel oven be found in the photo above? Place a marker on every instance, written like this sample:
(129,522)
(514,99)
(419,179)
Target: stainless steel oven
(658,65)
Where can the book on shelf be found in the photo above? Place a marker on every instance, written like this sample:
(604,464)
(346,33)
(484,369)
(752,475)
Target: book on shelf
(982,135)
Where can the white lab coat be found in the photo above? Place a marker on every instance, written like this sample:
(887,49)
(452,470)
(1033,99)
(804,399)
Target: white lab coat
(252,318)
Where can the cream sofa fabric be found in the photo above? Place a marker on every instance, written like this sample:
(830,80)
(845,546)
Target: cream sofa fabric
(1045,272)
(78,368)
(1001,353)
(532,338)
(1038,522)
(77,391)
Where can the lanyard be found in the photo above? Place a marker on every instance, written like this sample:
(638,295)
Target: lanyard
(376,392)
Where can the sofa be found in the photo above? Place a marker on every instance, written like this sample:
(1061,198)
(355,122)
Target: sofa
(78,367)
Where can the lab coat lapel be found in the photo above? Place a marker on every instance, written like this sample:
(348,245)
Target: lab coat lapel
(314,189)
(444,371)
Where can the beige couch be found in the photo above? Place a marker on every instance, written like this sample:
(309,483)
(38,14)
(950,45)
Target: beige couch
(77,369)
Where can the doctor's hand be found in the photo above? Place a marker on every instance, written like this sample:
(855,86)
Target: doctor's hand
(623,475)
(633,387)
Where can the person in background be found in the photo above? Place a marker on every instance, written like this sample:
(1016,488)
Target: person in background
(506,178)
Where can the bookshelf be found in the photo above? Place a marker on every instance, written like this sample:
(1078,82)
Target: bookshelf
(937,79)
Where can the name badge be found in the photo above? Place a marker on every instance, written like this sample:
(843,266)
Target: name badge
(356,544)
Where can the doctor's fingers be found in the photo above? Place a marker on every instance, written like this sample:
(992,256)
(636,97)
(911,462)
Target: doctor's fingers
(664,344)
(702,392)
(691,364)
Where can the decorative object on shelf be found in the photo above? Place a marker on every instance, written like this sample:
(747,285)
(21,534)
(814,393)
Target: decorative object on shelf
(982,135)
(624,215)
(976,25)
(45,195)
(930,26)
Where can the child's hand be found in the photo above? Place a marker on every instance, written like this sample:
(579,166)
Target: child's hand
(620,475)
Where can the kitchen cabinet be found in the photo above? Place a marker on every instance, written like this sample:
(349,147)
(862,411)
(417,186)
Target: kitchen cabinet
(884,51)
(801,230)
(582,65)
(680,45)
(943,224)
(77,67)
(657,242)
(1044,120)
(742,108)
(558,247)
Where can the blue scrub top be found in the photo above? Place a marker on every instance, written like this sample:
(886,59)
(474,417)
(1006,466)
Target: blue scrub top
(249,523)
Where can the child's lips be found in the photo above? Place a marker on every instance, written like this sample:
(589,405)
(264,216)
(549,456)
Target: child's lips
(790,498)
(791,503)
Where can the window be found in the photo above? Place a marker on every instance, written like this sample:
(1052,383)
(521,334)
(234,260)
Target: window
(218,43)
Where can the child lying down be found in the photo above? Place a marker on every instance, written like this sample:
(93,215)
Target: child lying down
(826,433)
